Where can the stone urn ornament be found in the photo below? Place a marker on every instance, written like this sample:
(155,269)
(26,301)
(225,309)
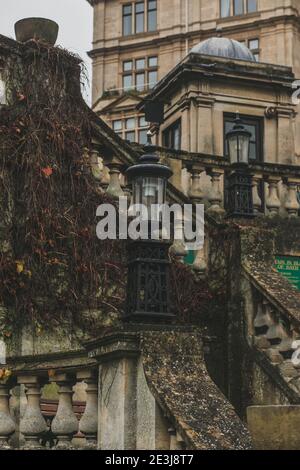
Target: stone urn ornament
(40,29)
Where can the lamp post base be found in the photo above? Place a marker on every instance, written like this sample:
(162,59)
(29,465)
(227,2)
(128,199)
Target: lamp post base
(148,285)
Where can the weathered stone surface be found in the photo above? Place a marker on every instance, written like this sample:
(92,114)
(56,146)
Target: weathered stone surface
(178,379)
(274,427)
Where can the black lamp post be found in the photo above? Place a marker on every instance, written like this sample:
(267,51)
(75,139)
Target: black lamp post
(240,200)
(148,285)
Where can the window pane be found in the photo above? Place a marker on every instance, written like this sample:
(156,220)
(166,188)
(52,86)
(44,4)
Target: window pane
(127,10)
(254,44)
(127,65)
(140,64)
(130,136)
(139,17)
(143,137)
(142,122)
(117,125)
(225,8)
(140,81)
(176,144)
(130,123)
(256,57)
(152,21)
(238,7)
(127,20)
(152,77)
(152,62)
(139,7)
(127,82)
(152,15)
(251,6)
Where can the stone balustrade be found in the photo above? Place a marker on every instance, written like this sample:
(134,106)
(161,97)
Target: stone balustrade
(202,179)
(33,426)
(278,339)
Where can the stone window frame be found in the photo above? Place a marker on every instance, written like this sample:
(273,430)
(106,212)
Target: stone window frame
(169,133)
(135,71)
(147,11)
(124,130)
(255,51)
(232,6)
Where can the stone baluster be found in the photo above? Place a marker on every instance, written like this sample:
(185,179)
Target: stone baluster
(7,424)
(215,196)
(96,165)
(114,188)
(257,202)
(65,423)
(176,441)
(272,201)
(178,248)
(32,424)
(200,263)
(88,424)
(291,202)
(195,192)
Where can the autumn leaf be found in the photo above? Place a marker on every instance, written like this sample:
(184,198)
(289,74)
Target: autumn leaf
(47,171)
(19,266)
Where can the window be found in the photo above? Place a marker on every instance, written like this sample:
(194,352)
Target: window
(237,7)
(140,74)
(152,15)
(139,16)
(132,128)
(253,45)
(251,6)
(172,136)
(127,20)
(253,125)
(225,8)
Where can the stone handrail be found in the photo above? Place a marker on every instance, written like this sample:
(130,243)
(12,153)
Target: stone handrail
(275,328)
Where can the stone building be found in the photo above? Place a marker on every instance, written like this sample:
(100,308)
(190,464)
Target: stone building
(224,373)
(137,43)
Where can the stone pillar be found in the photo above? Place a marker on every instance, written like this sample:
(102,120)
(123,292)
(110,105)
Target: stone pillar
(272,201)
(117,405)
(32,424)
(88,424)
(7,425)
(65,423)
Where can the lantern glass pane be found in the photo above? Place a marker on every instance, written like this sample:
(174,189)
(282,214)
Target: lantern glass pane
(149,191)
(243,149)
(233,149)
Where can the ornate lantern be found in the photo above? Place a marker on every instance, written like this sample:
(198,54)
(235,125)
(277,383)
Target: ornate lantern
(148,285)
(240,201)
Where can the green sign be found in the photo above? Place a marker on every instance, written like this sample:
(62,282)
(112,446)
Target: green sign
(190,257)
(289,267)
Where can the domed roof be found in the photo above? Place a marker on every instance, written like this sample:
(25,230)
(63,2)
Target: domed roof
(224,47)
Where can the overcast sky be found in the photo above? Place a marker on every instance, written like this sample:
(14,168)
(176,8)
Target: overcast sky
(75,19)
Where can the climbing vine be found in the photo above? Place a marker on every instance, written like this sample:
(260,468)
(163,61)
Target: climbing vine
(52,266)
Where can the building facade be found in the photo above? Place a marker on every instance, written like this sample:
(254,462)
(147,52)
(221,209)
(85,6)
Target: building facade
(137,43)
